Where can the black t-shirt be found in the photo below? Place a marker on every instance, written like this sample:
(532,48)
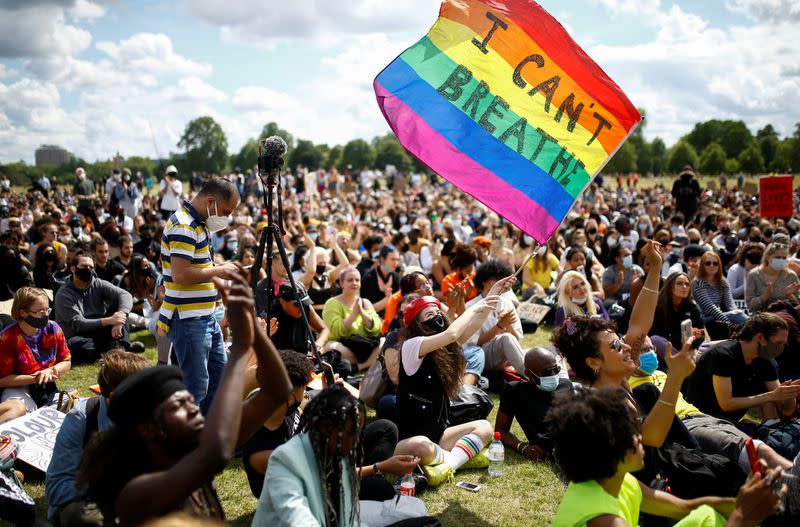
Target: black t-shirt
(112,269)
(370,288)
(292,334)
(529,405)
(266,439)
(726,360)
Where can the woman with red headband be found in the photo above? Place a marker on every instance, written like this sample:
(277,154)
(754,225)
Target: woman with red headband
(431,371)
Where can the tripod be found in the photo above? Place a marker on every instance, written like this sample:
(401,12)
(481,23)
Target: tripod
(269,172)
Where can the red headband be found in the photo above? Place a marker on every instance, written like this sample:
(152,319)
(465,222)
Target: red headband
(411,311)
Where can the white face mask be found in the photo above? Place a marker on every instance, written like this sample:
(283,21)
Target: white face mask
(779,264)
(579,301)
(214,222)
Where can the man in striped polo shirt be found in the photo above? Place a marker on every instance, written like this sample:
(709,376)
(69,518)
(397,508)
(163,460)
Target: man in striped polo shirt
(187,314)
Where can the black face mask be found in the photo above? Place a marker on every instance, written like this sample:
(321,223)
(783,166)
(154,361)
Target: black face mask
(404,248)
(37,322)
(49,256)
(145,272)
(145,236)
(435,324)
(321,269)
(84,273)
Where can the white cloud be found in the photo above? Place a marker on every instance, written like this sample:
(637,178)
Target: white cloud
(692,72)
(253,20)
(86,10)
(773,10)
(152,53)
(39,31)
(6,72)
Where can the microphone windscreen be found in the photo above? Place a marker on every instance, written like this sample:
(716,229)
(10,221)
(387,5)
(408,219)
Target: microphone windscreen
(274,146)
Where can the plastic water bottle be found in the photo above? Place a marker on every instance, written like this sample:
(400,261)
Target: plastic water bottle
(497,455)
(407,486)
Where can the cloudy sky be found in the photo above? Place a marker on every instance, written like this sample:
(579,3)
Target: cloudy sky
(101,76)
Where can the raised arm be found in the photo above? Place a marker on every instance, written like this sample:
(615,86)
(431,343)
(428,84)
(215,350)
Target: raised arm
(645,308)
(157,493)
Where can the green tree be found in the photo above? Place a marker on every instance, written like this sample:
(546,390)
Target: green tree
(732,166)
(703,134)
(272,128)
(389,151)
(247,156)
(334,157)
(205,144)
(658,154)
(140,164)
(751,160)
(357,154)
(712,161)
(683,153)
(624,160)
(736,137)
(305,154)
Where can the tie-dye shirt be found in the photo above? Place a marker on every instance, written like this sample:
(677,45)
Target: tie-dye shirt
(24,355)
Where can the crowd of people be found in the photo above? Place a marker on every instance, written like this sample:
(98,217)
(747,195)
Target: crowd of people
(674,355)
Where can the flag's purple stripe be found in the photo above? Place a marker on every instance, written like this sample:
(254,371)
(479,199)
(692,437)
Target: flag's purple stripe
(461,170)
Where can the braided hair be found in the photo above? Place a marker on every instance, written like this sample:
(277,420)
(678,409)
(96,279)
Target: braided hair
(325,420)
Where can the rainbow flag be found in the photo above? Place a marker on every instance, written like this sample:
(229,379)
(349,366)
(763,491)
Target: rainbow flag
(498,99)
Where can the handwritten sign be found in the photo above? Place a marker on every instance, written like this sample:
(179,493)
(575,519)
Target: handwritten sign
(775,196)
(36,435)
(534,312)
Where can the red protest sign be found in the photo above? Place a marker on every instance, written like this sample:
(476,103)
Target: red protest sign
(775,196)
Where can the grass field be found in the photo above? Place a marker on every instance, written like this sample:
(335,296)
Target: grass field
(528,494)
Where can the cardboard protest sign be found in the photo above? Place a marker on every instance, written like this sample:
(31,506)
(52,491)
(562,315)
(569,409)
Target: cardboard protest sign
(36,435)
(534,312)
(776,199)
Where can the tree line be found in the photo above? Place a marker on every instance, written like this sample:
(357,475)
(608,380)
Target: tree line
(713,147)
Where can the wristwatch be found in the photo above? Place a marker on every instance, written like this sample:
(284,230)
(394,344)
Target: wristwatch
(376,470)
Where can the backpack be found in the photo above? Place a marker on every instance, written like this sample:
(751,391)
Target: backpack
(471,404)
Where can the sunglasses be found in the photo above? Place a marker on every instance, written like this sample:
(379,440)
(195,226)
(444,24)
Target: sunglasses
(711,264)
(617,345)
(555,369)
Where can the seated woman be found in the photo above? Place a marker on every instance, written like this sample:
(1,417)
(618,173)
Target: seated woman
(576,300)
(33,352)
(148,293)
(575,260)
(247,257)
(46,265)
(354,325)
(431,370)
(462,262)
(749,258)
(713,295)
(603,493)
(537,277)
(771,281)
(675,305)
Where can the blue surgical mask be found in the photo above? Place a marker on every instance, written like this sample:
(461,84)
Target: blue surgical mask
(548,384)
(627,262)
(648,362)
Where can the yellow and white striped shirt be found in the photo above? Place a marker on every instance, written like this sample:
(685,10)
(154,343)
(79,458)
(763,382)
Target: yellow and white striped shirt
(185,237)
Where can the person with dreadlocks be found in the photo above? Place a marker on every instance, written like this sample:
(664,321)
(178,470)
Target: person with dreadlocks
(161,455)
(312,479)
(431,372)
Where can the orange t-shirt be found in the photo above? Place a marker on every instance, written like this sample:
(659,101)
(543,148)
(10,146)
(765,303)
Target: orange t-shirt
(452,280)
(390,311)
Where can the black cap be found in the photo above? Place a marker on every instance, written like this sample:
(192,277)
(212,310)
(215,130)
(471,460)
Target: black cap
(693,251)
(136,398)
(286,292)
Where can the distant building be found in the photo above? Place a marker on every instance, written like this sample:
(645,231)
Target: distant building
(52,155)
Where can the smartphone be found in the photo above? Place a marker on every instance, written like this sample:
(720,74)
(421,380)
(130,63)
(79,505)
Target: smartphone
(752,455)
(686,330)
(327,370)
(472,487)
(699,340)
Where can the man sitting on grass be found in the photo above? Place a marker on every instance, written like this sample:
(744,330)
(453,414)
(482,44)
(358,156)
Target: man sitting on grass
(529,402)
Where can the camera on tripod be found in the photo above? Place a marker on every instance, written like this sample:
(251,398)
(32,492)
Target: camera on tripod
(270,158)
